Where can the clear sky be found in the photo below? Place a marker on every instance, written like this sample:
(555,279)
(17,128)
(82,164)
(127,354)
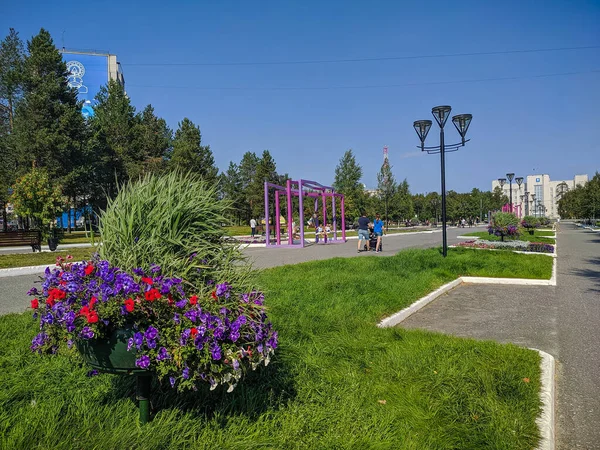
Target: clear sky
(526,118)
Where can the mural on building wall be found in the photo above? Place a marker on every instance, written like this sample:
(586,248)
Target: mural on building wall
(87,73)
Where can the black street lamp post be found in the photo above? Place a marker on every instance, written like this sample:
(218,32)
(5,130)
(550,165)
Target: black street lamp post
(510,177)
(533,201)
(525,196)
(461,122)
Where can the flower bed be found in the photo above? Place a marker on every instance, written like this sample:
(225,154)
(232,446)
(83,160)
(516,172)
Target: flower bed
(179,333)
(522,246)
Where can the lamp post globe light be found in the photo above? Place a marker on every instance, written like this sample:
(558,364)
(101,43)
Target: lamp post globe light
(519,181)
(461,123)
(510,177)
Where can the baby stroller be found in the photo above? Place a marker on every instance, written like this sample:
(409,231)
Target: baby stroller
(373,241)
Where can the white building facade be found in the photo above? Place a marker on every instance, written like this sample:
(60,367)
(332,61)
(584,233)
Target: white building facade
(547,193)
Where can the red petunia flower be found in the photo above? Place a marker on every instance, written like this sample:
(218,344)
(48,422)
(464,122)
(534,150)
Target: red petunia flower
(152,294)
(193,331)
(214,295)
(85,311)
(35,304)
(170,298)
(147,280)
(50,301)
(89,269)
(193,299)
(129,305)
(93,301)
(92,317)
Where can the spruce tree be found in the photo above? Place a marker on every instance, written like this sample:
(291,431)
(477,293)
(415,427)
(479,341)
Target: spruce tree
(190,155)
(48,126)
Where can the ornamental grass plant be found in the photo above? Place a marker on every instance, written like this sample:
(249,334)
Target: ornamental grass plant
(174,220)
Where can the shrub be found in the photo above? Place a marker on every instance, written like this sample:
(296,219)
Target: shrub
(530,222)
(504,224)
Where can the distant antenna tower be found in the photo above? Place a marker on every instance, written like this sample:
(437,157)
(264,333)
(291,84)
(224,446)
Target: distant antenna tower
(385,156)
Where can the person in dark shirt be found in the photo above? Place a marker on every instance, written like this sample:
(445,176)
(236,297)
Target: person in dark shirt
(363,231)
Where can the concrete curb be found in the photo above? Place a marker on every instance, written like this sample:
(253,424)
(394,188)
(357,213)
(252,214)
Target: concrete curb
(29,270)
(546,419)
(395,319)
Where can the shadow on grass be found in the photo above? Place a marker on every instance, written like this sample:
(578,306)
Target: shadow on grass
(265,389)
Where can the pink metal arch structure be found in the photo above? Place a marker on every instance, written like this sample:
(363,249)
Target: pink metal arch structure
(301,189)
(516,209)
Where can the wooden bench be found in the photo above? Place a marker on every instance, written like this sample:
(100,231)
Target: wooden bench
(22,237)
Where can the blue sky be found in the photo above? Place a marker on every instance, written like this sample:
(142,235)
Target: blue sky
(308,115)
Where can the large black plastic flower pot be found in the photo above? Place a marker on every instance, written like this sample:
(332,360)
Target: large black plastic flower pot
(110,355)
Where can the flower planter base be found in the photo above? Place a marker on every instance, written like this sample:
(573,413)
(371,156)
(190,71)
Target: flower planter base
(111,356)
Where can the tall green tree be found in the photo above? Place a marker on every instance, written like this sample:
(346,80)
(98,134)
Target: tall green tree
(114,127)
(247,174)
(190,155)
(231,188)
(48,126)
(12,55)
(153,138)
(386,186)
(348,174)
(266,170)
(402,202)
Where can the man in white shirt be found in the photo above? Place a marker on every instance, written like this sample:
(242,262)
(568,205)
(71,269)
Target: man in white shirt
(253,226)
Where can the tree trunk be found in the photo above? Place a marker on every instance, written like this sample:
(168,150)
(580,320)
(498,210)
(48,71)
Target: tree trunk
(4,219)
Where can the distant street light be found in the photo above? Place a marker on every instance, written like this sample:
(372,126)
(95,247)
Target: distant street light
(461,122)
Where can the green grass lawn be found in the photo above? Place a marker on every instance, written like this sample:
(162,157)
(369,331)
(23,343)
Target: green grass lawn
(337,381)
(537,237)
(37,258)
(78,237)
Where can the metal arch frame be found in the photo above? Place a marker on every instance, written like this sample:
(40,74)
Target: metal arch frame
(316,190)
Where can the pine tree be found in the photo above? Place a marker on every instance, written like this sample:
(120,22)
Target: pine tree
(266,170)
(190,155)
(153,138)
(386,186)
(48,126)
(113,127)
(11,69)
(247,173)
(231,188)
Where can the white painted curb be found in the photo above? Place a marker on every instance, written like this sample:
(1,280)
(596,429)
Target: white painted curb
(403,314)
(545,420)
(29,270)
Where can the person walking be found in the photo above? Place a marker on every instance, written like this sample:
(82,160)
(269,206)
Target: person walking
(253,227)
(363,231)
(378,230)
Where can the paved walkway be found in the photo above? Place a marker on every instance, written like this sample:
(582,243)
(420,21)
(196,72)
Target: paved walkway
(563,321)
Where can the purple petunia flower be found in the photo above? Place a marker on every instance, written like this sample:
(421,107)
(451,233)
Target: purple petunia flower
(33,291)
(177,318)
(192,315)
(154,268)
(92,373)
(172,381)
(87,333)
(138,271)
(223,289)
(151,343)
(181,303)
(143,362)
(162,354)
(151,333)
(138,339)
(186,373)
(129,344)
(69,343)
(215,351)
(192,256)
(38,340)
(185,335)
